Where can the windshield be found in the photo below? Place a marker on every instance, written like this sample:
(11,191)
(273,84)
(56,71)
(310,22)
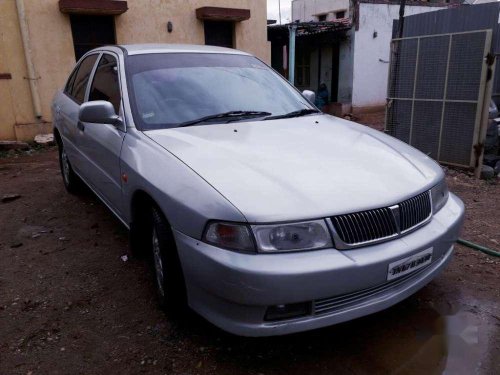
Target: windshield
(171,89)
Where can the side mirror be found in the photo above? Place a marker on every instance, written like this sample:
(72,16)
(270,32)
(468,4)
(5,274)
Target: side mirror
(98,112)
(309,95)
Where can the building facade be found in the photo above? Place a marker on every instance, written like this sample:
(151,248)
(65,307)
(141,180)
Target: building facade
(354,67)
(40,41)
(319,10)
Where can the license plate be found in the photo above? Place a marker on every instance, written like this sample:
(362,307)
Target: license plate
(405,266)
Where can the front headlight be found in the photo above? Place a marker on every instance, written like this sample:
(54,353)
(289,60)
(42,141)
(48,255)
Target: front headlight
(307,235)
(269,238)
(229,236)
(439,194)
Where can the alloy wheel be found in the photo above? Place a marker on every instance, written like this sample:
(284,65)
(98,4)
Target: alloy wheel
(65,166)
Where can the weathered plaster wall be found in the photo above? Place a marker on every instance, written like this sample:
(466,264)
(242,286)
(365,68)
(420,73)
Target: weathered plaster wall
(15,99)
(146,21)
(53,53)
(307,10)
(371,54)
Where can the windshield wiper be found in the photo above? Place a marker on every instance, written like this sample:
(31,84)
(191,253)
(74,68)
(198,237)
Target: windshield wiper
(231,116)
(300,112)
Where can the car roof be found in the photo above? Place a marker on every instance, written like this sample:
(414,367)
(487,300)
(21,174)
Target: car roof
(138,49)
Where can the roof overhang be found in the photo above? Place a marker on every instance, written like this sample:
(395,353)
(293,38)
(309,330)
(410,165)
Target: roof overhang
(222,14)
(94,7)
(311,28)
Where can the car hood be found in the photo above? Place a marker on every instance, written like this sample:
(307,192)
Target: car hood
(300,168)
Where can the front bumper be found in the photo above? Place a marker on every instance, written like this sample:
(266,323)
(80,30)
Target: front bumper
(233,290)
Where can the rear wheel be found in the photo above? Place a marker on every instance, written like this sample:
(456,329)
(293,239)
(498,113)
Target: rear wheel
(71,181)
(169,278)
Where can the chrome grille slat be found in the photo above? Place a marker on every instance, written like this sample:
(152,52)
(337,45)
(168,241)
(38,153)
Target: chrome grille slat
(363,226)
(351,227)
(380,219)
(348,229)
(372,231)
(342,227)
(376,227)
(368,226)
(386,221)
(415,211)
(359,229)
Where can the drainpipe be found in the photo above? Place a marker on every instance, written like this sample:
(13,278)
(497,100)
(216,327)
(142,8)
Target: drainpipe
(291,53)
(32,78)
(401,22)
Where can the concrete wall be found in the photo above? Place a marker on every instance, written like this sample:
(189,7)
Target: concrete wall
(371,54)
(53,53)
(346,65)
(146,22)
(308,10)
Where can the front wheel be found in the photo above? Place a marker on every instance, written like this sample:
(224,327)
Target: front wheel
(169,277)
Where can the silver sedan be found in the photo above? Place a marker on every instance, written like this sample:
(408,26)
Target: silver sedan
(259,212)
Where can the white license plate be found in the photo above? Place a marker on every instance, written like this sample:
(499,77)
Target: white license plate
(405,266)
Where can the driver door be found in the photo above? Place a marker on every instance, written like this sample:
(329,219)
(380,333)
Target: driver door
(101,143)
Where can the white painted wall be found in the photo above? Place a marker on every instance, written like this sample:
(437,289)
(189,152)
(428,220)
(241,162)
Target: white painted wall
(308,10)
(346,65)
(370,74)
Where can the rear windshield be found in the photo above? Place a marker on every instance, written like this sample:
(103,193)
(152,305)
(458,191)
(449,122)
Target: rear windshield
(172,88)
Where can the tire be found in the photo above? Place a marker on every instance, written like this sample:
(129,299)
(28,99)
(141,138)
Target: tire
(170,284)
(71,181)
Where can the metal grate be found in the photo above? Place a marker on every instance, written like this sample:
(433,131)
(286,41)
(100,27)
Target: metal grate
(382,223)
(436,90)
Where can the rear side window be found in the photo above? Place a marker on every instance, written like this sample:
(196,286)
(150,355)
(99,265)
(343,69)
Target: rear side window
(105,85)
(71,80)
(78,86)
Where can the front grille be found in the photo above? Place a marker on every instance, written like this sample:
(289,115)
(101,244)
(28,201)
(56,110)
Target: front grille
(365,226)
(414,211)
(327,305)
(382,223)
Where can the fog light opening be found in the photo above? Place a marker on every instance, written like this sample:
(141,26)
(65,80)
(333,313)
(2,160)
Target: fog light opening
(289,311)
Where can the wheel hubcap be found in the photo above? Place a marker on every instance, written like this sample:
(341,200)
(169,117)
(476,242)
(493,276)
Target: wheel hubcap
(65,166)
(158,262)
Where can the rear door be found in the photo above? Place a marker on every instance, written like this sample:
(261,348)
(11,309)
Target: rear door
(101,143)
(67,107)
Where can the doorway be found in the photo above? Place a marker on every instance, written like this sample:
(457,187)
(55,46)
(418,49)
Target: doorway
(219,33)
(334,91)
(90,32)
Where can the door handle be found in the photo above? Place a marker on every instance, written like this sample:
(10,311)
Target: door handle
(80,126)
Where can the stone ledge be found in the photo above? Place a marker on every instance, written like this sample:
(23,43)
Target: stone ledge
(27,132)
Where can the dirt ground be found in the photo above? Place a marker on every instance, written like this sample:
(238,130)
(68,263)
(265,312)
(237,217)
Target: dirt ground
(70,305)
(374,120)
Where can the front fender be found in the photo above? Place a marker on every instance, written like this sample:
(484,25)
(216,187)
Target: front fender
(186,199)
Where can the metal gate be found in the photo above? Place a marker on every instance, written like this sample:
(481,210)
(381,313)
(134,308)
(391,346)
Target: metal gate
(437,92)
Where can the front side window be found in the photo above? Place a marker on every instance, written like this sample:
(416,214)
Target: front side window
(167,90)
(82,78)
(105,85)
